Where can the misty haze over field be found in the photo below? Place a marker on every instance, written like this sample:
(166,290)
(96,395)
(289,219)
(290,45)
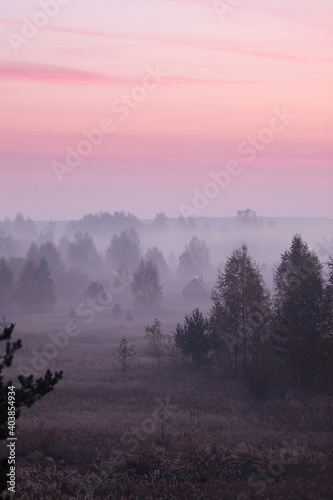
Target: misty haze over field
(166,250)
(95,247)
(161,334)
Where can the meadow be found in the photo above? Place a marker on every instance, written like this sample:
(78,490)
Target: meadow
(166,432)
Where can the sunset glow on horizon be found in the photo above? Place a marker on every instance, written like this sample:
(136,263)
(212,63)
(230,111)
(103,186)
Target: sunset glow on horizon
(176,93)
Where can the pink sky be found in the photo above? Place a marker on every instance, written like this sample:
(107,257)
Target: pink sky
(223,79)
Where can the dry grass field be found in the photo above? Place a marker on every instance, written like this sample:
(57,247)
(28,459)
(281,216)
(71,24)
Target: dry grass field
(163,433)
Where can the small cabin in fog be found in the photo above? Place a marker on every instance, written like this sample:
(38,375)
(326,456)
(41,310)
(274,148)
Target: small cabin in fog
(196,291)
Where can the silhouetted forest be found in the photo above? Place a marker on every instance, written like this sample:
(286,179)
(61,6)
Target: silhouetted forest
(194,356)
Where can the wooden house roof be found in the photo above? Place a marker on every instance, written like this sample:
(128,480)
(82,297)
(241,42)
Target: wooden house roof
(195,286)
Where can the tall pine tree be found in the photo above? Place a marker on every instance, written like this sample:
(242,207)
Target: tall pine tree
(299,292)
(241,309)
(27,391)
(146,288)
(45,287)
(299,318)
(35,288)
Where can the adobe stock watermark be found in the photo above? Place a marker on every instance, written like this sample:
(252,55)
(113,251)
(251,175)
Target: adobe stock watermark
(293,278)
(248,149)
(257,319)
(257,481)
(30,28)
(324,246)
(148,426)
(87,311)
(131,441)
(122,108)
(223,8)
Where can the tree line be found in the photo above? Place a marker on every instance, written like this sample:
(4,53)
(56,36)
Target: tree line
(48,270)
(272,342)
